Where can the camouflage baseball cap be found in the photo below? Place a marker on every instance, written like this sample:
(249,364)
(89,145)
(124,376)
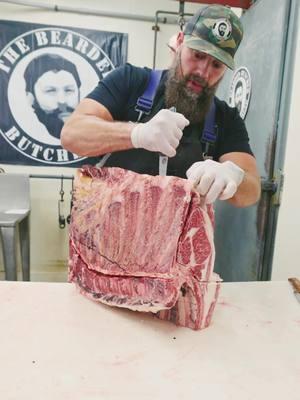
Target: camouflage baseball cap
(215,30)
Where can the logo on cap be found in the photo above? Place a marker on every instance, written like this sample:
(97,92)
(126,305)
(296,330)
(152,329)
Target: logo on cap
(222,29)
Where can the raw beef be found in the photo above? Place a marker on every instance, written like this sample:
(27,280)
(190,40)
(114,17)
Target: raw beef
(145,243)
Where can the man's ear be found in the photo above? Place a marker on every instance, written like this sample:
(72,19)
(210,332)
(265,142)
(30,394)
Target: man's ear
(30,98)
(179,39)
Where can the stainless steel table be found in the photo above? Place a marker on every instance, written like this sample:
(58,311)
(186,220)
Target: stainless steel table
(14,233)
(14,223)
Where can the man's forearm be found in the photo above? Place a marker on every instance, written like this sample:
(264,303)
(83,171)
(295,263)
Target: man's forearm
(248,192)
(87,135)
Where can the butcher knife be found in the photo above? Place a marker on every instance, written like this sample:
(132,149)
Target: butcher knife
(296,285)
(163,159)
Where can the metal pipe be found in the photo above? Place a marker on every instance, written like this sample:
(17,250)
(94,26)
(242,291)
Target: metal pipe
(181,21)
(156,27)
(88,11)
(40,176)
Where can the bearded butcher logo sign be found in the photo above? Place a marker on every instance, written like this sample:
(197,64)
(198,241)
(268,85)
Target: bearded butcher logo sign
(44,73)
(240,91)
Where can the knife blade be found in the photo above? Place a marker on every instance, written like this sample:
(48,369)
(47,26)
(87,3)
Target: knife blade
(296,286)
(163,159)
(163,164)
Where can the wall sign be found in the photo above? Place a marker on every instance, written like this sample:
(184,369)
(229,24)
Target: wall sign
(240,90)
(44,72)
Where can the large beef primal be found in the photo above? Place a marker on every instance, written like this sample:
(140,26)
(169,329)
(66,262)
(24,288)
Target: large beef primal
(145,243)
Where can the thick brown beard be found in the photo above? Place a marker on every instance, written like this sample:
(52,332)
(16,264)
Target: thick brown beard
(192,105)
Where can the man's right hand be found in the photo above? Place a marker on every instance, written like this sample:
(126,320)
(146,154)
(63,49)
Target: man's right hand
(162,133)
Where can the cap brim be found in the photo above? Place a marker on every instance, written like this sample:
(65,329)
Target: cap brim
(199,44)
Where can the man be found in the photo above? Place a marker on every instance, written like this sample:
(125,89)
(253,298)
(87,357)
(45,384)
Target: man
(52,86)
(203,53)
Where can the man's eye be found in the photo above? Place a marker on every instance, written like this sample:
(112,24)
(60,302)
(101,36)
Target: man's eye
(217,64)
(69,90)
(50,90)
(198,56)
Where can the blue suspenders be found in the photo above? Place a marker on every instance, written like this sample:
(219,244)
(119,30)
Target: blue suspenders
(145,102)
(210,132)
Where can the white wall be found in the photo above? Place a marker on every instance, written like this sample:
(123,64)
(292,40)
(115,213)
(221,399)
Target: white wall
(287,244)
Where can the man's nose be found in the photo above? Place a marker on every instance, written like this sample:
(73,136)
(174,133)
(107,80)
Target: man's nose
(61,99)
(204,69)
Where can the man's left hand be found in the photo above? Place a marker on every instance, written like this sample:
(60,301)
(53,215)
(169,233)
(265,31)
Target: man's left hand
(214,180)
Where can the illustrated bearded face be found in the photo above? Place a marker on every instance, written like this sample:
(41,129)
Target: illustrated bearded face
(238,97)
(55,97)
(194,106)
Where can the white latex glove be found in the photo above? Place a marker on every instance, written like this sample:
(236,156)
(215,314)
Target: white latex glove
(215,180)
(162,133)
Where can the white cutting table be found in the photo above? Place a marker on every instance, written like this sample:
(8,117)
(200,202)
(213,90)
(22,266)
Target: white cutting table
(55,344)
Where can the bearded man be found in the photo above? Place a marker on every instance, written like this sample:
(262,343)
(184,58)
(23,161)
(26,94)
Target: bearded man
(109,123)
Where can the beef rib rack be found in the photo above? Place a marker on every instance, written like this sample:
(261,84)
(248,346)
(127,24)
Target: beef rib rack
(145,243)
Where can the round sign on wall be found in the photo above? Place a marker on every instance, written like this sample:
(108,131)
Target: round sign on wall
(240,90)
(53,69)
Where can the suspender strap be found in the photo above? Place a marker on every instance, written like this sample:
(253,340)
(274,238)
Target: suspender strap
(210,132)
(145,101)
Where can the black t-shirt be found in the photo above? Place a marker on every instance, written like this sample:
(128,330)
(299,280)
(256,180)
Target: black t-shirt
(119,91)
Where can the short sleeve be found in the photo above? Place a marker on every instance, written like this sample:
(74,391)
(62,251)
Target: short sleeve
(119,89)
(113,90)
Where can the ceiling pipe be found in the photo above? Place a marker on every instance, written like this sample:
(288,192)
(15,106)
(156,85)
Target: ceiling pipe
(180,21)
(156,29)
(89,11)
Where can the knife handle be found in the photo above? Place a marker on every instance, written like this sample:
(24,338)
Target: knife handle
(163,159)
(295,283)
